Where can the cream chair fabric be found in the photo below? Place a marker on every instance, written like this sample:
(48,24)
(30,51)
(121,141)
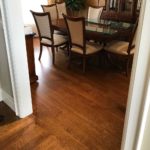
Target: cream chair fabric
(58,40)
(61,8)
(119,47)
(94,13)
(52,10)
(44,25)
(76,32)
(90,48)
(126,49)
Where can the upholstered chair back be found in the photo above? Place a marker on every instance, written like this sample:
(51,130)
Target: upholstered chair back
(94,13)
(43,23)
(76,29)
(52,10)
(61,8)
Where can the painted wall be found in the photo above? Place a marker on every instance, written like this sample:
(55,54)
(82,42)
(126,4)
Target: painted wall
(28,5)
(17,56)
(4,68)
(0,82)
(133,127)
(0,93)
(146,142)
(6,93)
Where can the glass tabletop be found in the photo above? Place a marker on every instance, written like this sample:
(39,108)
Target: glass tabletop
(95,27)
(112,24)
(102,30)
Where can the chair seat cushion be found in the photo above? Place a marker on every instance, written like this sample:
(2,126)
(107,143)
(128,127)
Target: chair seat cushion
(118,47)
(90,48)
(58,40)
(60,33)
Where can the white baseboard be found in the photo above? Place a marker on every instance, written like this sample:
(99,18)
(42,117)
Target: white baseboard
(8,100)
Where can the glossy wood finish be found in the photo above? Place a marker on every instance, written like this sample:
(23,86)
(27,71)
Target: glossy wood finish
(72,111)
(112,15)
(30,57)
(120,12)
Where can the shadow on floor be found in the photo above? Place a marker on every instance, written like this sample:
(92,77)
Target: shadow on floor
(6,114)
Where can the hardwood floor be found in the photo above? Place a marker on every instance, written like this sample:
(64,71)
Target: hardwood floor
(72,110)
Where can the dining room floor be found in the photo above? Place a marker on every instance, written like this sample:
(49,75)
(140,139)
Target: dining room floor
(71,110)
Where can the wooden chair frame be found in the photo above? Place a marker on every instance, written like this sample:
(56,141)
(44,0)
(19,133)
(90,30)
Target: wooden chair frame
(83,47)
(52,33)
(130,47)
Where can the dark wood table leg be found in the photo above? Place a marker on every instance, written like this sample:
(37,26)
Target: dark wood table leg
(30,57)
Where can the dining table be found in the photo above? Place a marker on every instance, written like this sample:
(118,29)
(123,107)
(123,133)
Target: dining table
(99,30)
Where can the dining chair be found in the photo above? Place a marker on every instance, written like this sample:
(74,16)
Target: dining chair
(126,49)
(46,33)
(61,8)
(77,39)
(94,12)
(52,10)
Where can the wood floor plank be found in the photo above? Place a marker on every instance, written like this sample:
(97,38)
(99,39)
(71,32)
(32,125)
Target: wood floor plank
(71,110)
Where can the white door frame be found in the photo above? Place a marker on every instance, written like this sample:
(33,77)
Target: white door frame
(136,109)
(17,57)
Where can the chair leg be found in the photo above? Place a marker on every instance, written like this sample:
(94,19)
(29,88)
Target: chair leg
(84,64)
(41,49)
(53,55)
